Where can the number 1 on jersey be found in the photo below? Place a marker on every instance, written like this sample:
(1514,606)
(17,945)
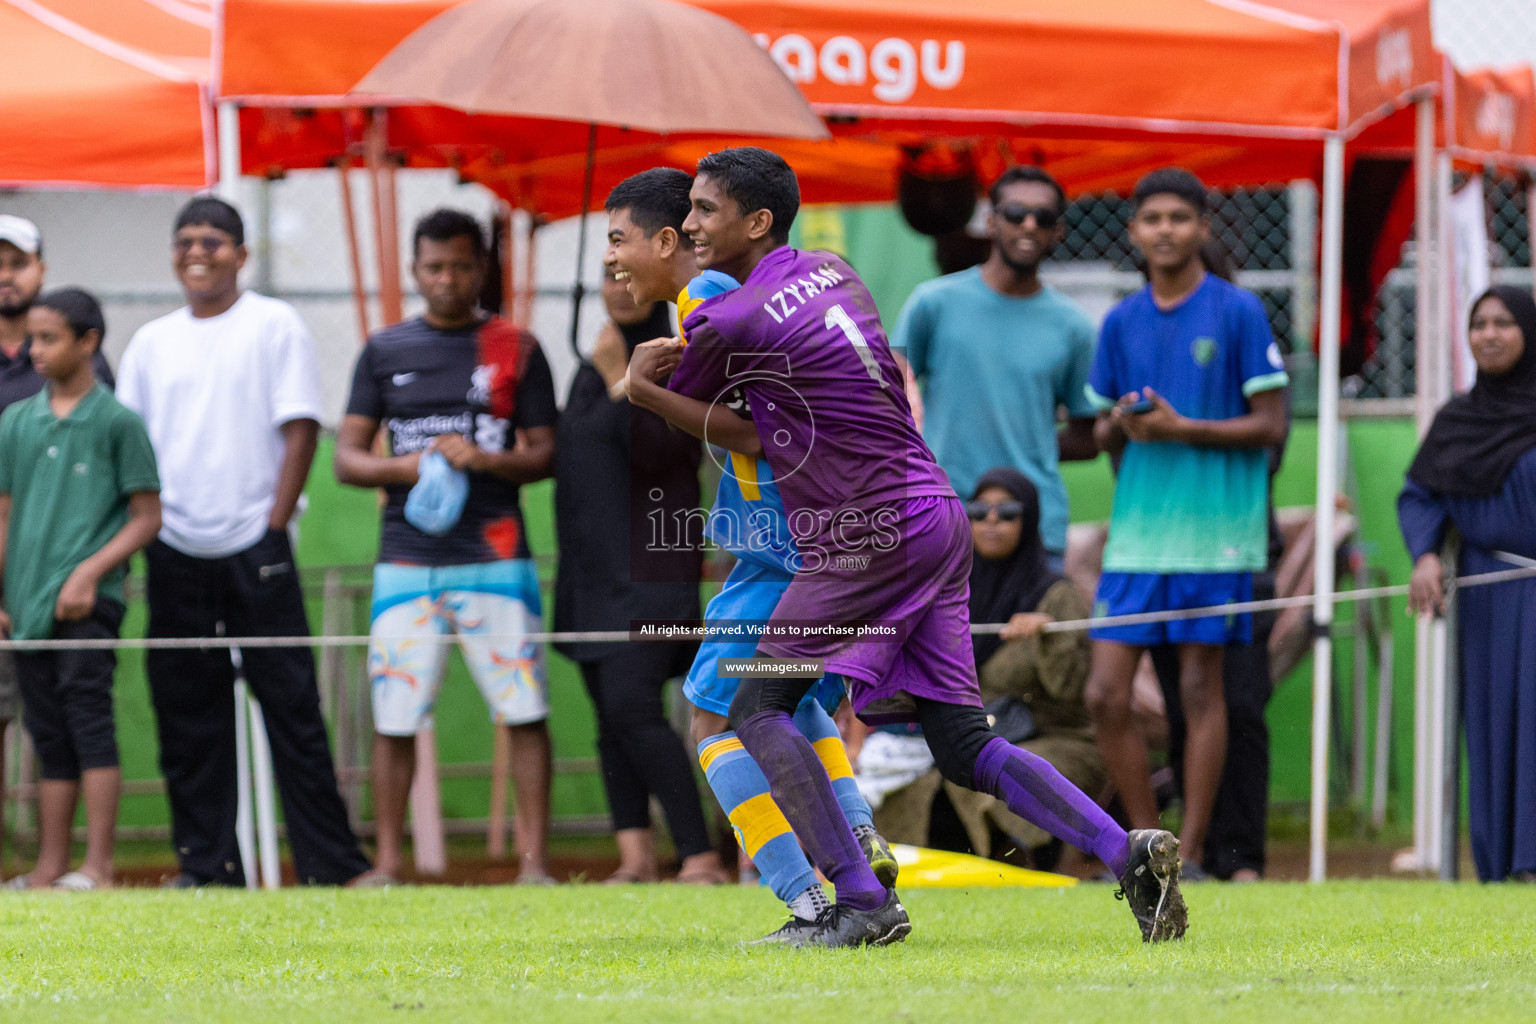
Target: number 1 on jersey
(837,317)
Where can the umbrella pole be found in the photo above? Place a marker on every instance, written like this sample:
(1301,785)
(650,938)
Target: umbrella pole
(1426,330)
(579,291)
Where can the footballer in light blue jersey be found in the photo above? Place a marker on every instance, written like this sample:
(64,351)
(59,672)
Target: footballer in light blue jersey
(748,520)
(648,252)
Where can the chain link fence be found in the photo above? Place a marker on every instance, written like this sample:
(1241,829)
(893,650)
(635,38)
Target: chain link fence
(1259,230)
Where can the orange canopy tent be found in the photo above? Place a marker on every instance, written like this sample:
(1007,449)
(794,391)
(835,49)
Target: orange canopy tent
(1492,114)
(85,106)
(1023,81)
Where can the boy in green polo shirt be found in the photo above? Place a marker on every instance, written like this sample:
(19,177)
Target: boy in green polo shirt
(79,494)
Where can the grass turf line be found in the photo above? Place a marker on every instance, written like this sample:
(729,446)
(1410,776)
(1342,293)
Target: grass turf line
(1344,952)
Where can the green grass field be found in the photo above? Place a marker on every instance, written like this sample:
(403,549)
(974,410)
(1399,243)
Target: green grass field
(1344,952)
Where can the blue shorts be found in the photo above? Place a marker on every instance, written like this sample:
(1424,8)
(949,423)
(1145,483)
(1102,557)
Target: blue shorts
(1130,593)
(750,594)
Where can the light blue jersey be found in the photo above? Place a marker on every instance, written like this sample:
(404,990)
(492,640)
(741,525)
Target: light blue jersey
(747,518)
(994,369)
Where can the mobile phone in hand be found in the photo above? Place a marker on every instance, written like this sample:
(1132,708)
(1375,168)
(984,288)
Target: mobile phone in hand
(1138,408)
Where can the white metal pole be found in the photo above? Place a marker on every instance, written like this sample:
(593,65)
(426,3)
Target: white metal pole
(1329,308)
(1426,348)
(1445,268)
(1433,765)
(1425,260)
(245,821)
(229,153)
(266,807)
(1423,658)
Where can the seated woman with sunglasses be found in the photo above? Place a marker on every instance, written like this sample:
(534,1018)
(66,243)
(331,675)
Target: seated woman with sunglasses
(1032,682)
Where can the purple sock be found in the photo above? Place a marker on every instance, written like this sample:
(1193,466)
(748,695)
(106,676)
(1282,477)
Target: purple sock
(1038,793)
(801,788)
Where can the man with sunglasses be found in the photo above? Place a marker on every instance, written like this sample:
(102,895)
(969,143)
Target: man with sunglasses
(228,388)
(998,354)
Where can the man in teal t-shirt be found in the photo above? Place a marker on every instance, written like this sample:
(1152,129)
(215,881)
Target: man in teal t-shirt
(998,354)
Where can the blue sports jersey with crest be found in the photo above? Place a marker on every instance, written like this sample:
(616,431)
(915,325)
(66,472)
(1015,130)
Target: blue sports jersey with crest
(1179,508)
(747,518)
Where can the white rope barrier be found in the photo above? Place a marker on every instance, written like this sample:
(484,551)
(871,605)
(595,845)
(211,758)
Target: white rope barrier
(628,636)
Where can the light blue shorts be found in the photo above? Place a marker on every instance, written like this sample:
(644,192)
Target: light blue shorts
(750,594)
(489,606)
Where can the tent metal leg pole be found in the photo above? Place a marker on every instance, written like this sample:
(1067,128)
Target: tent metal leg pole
(229,153)
(1327,487)
(1438,381)
(1448,781)
(386,230)
(1426,337)
(354,254)
(1423,642)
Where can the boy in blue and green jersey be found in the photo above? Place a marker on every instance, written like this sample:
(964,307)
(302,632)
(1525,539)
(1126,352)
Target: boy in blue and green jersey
(647,251)
(1190,384)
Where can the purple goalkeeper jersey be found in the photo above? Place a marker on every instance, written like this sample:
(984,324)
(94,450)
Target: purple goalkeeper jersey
(802,339)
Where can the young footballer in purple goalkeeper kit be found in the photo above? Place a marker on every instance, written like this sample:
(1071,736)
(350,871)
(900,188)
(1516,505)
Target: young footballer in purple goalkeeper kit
(884,543)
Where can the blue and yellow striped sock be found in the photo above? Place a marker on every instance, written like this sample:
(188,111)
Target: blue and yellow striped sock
(817,726)
(742,789)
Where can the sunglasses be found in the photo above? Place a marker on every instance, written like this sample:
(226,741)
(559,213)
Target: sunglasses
(1007,511)
(1016,213)
(204,244)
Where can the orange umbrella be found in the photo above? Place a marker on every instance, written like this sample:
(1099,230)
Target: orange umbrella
(647,64)
(650,65)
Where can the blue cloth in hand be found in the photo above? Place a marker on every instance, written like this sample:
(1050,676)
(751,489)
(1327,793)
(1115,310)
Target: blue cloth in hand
(436,502)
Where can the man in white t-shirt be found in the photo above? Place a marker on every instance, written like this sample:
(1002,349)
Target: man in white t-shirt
(228,387)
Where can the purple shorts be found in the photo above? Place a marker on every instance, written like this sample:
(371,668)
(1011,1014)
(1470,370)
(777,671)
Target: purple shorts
(916,598)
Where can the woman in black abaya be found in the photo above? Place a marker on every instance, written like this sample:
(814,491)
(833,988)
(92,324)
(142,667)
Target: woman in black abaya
(1476,472)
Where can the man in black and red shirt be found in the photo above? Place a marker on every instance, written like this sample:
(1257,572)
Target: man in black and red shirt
(477,390)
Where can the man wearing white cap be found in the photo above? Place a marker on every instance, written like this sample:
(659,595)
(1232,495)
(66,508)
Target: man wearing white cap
(21,279)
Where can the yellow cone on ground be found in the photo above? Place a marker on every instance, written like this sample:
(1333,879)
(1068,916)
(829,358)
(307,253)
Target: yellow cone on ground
(922,868)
